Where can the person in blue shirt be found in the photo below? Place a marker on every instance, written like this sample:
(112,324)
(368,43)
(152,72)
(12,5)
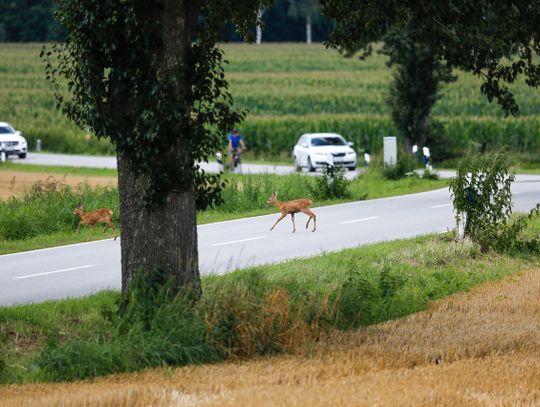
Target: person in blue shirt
(236,143)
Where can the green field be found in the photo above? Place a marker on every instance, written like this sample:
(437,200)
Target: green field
(290,89)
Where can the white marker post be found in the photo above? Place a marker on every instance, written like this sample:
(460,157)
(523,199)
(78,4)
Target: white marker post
(390,151)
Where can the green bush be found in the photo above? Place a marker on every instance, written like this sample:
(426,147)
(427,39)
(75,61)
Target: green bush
(405,166)
(482,199)
(331,184)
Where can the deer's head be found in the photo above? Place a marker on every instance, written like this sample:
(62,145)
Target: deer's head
(272,199)
(78,209)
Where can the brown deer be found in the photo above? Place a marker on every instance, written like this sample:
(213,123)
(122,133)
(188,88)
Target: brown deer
(292,207)
(91,218)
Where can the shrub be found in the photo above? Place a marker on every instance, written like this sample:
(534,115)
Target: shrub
(429,175)
(405,166)
(332,184)
(482,199)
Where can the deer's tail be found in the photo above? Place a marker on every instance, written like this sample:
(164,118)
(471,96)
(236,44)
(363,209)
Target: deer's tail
(110,212)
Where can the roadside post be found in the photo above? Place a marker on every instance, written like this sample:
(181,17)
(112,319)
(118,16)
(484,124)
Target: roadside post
(390,151)
(329,169)
(426,156)
(462,223)
(38,145)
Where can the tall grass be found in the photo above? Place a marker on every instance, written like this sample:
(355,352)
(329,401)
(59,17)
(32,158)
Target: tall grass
(48,208)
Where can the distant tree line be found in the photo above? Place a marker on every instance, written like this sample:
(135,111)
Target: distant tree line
(285,20)
(28,21)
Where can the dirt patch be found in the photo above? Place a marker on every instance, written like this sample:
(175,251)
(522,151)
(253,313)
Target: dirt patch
(480,348)
(16,183)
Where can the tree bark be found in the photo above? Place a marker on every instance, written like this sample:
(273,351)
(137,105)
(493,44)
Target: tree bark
(258,29)
(163,236)
(308,28)
(424,129)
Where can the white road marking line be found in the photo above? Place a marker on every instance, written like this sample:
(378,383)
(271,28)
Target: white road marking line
(442,206)
(55,271)
(237,241)
(359,220)
(46,249)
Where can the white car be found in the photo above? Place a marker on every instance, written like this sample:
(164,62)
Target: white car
(314,150)
(11,141)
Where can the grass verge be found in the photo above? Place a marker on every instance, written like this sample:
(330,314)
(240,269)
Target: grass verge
(257,311)
(58,170)
(448,355)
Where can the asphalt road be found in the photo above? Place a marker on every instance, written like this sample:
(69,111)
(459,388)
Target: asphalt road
(110,162)
(81,269)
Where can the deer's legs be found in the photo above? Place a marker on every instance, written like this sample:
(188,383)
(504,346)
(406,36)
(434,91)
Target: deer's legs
(91,231)
(79,227)
(311,215)
(111,224)
(280,219)
(293,225)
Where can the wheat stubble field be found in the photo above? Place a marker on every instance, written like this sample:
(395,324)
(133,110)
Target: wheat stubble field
(17,183)
(480,348)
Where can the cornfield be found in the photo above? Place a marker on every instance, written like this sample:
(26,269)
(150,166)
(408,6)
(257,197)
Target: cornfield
(288,89)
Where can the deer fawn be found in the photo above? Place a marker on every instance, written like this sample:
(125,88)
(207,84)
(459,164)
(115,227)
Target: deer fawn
(292,207)
(91,218)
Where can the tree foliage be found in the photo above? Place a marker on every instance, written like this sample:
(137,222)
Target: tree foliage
(496,40)
(117,86)
(416,83)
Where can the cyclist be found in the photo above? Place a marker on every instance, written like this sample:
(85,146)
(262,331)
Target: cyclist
(236,145)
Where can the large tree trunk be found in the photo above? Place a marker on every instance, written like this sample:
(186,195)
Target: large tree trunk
(163,236)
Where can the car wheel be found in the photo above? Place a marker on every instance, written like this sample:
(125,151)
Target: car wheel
(23,155)
(352,168)
(310,165)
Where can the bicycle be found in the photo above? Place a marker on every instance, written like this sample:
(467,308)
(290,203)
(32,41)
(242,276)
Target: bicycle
(236,160)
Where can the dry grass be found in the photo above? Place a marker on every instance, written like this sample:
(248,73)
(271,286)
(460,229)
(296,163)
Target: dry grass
(478,348)
(16,183)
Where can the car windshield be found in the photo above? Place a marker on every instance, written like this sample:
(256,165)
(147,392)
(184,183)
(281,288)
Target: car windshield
(6,130)
(327,141)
